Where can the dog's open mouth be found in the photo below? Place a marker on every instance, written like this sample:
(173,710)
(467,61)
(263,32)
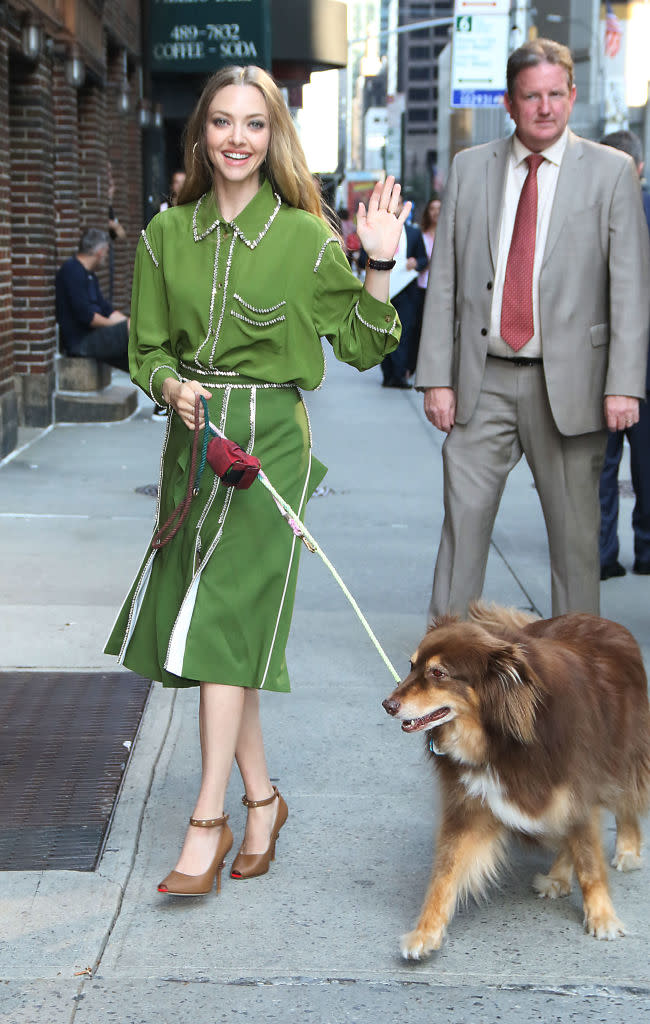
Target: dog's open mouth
(413,724)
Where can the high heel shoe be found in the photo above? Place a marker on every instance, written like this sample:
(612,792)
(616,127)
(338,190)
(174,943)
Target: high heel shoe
(178,884)
(249,865)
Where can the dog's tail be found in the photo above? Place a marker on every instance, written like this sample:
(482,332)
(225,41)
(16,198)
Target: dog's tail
(496,619)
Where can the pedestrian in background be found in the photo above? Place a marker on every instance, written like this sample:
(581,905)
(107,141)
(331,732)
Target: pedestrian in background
(638,436)
(428,224)
(88,324)
(233,290)
(410,257)
(175,187)
(535,330)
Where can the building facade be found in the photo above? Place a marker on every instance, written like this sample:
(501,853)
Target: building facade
(68,109)
(81,107)
(418,80)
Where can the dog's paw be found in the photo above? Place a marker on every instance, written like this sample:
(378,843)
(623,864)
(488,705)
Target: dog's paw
(417,944)
(550,888)
(604,926)
(626,860)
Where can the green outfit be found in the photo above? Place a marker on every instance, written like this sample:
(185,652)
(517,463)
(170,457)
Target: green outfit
(241,307)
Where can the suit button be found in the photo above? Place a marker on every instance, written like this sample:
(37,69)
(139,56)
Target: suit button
(483,331)
(489,286)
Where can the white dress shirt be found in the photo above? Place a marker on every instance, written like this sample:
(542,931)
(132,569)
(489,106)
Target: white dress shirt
(547,176)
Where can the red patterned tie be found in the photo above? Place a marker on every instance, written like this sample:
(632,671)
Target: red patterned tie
(517,305)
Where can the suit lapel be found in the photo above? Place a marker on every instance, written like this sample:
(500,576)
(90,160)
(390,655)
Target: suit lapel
(565,200)
(497,169)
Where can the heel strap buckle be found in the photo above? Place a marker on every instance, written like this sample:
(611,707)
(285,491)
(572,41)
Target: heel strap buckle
(260,803)
(209,822)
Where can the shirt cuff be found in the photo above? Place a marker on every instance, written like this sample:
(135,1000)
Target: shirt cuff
(379,316)
(156,382)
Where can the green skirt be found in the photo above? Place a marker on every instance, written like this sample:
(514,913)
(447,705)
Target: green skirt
(215,604)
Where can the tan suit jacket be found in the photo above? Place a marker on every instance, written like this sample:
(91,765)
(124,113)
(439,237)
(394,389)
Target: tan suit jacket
(594,284)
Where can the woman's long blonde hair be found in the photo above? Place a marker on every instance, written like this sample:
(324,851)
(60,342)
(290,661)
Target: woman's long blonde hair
(285,165)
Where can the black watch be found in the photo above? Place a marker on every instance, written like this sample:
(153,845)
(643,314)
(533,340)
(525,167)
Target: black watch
(379,264)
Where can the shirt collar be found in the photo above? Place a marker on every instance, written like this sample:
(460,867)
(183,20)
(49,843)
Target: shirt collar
(250,225)
(553,153)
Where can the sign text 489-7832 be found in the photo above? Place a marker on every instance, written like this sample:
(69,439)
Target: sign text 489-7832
(203,35)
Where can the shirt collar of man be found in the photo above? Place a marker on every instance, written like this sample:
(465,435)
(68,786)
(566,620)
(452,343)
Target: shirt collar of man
(553,154)
(251,224)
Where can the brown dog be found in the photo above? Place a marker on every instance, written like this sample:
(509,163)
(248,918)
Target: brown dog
(534,725)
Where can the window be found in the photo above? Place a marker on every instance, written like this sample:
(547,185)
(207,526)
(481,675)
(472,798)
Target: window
(420,74)
(420,53)
(419,114)
(421,95)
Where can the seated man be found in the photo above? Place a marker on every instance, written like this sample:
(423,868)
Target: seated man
(88,324)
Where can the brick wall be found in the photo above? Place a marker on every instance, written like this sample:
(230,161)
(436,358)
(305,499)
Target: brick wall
(55,143)
(31,209)
(66,166)
(127,175)
(8,404)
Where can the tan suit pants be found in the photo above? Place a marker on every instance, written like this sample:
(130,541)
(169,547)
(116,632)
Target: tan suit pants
(513,417)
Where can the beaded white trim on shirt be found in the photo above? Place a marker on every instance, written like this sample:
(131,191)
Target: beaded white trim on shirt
(251,245)
(225,289)
(149,249)
(258,323)
(195,230)
(373,327)
(163,367)
(213,295)
(259,309)
(210,373)
(322,252)
(256,241)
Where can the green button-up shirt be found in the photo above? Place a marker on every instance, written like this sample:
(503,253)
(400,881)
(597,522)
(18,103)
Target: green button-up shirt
(250,297)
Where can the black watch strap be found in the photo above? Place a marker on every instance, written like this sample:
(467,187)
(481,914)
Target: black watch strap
(379,264)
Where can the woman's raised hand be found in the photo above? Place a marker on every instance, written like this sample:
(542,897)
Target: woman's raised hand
(380,226)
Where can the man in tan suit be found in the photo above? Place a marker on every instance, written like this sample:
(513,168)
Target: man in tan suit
(533,345)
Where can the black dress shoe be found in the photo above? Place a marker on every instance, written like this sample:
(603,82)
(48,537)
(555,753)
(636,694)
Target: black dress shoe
(613,569)
(641,568)
(399,382)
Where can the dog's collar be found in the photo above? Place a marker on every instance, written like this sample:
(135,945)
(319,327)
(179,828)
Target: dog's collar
(433,748)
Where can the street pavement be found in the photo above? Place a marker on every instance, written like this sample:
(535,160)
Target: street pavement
(315,940)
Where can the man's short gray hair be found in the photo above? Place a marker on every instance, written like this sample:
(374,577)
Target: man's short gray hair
(93,238)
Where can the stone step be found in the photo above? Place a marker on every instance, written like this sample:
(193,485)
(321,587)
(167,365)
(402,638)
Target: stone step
(113,403)
(81,374)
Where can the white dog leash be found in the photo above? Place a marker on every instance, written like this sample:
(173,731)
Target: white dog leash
(301,531)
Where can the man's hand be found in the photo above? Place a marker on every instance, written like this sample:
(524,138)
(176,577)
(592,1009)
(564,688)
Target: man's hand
(440,407)
(181,398)
(621,412)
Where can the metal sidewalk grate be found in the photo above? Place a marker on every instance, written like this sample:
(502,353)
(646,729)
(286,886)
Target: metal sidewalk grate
(65,742)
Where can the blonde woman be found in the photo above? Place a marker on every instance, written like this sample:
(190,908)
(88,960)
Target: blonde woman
(233,290)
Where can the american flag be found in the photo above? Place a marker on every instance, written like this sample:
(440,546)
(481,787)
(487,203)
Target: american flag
(613,32)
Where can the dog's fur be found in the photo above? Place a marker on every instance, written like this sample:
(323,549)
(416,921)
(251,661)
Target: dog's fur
(534,726)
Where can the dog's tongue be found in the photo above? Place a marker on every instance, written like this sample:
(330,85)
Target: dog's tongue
(415,724)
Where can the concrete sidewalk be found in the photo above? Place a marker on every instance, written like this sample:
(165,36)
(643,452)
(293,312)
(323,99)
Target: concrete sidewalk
(317,938)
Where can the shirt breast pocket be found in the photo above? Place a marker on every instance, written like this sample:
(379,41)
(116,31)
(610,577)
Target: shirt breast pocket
(259,321)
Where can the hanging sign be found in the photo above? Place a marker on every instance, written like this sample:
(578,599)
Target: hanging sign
(479,57)
(198,36)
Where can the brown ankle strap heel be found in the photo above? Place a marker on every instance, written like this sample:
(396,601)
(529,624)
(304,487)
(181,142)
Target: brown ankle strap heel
(260,803)
(209,822)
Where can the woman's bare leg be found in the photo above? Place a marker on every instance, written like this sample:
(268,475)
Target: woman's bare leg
(221,710)
(251,761)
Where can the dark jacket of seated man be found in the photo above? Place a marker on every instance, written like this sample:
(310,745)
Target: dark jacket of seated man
(88,324)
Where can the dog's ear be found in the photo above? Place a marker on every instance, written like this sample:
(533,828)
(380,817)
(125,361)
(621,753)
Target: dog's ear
(510,693)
